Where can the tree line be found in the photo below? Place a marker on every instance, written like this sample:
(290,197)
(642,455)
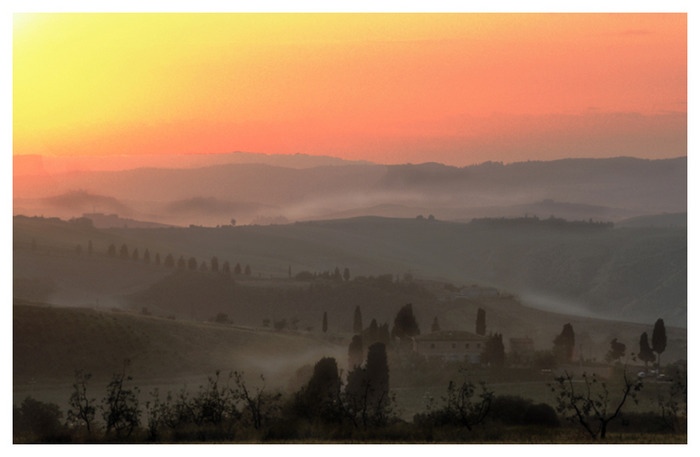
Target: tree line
(358,407)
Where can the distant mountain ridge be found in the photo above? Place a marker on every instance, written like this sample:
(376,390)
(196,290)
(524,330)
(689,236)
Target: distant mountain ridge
(620,188)
(32,164)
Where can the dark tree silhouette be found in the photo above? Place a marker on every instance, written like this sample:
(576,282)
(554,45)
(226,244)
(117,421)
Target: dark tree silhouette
(40,420)
(181,264)
(324,326)
(355,352)
(169,261)
(494,353)
(367,399)
(591,405)
(260,405)
(405,324)
(436,326)
(237,269)
(346,274)
(564,344)
(658,338)
(383,335)
(124,252)
(646,354)
(357,320)
(371,334)
(120,408)
(319,398)
(82,408)
(226,268)
(481,322)
(616,351)
(378,373)
(192,263)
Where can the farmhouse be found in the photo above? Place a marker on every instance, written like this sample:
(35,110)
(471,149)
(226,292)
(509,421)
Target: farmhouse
(451,346)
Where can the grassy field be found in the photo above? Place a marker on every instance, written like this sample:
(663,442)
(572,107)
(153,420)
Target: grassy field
(51,343)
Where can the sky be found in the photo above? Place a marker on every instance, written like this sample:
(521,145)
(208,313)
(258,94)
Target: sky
(388,88)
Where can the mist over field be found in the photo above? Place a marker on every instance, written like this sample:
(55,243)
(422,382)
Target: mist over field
(281,190)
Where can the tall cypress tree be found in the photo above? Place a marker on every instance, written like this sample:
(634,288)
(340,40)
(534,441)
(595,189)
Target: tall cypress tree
(357,321)
(658,338)
(355,352)
(481,322)
(564,343)
(405,324)
(646,354)
(378,376)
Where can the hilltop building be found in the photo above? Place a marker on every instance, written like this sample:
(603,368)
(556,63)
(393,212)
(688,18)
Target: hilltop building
(457,346)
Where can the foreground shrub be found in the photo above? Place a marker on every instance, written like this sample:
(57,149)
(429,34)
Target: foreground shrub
(35,421)
(515,410)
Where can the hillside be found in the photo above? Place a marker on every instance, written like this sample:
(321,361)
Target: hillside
(629,274)
(611,189)
(201,296)
(50,343)
(657,220)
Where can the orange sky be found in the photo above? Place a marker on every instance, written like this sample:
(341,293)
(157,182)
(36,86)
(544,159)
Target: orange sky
(394,88)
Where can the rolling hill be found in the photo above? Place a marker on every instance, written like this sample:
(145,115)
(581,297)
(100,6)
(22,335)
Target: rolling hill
(609,189)
(50,343)
(628,274)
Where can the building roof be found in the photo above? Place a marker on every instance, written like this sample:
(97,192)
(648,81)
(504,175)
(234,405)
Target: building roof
(450,335)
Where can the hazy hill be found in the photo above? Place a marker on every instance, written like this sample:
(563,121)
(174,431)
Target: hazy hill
(634,274)
(656,220)
(597,188)
(202,295)
(28,165)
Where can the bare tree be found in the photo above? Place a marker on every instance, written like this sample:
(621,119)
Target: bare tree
(260,405)
(120,409)
(461,406)
(82,408)
(590,405)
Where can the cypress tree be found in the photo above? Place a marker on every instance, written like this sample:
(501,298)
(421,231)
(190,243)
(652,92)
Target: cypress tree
(658,338)
(564,343)
(481,322)
(646,354)
(357,321)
